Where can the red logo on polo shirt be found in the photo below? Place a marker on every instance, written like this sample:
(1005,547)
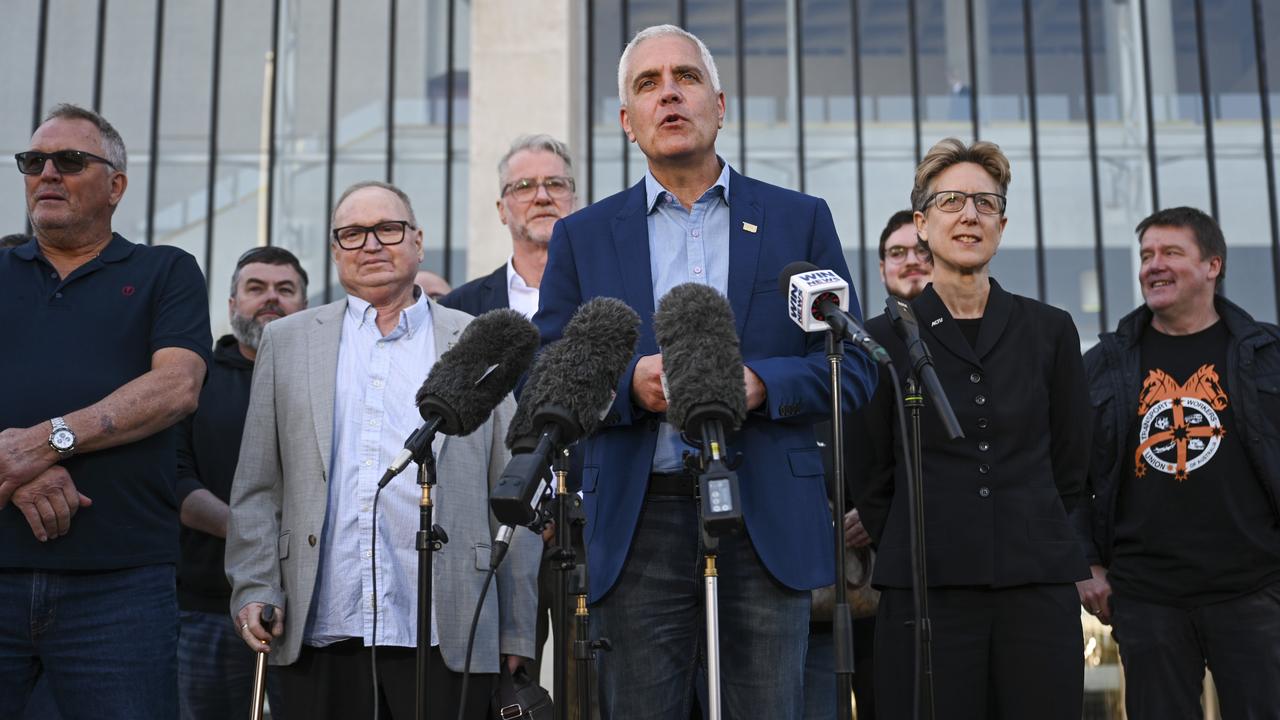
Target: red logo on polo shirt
(127,290)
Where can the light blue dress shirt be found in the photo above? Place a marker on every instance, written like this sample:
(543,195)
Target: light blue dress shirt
(373,413)
(685,246)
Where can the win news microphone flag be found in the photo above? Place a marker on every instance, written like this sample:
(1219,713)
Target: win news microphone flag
(819,300)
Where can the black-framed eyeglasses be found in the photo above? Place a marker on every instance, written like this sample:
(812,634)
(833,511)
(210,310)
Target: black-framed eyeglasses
(388,232)
(558,187)
(68,162)
(898,253)
(986,203)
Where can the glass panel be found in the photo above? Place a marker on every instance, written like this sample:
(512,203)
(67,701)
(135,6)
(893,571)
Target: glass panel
(771,102)
(65,63)
(607,138)
(126,102)
(18,40)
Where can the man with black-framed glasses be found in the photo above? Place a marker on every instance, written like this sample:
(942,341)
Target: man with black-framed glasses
(110,346)
(331,404)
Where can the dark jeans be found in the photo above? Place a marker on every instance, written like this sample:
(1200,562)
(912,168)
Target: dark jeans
(1165,650)
(105,641)
(1009,654)
(335,682)
(654,618)
(215,670)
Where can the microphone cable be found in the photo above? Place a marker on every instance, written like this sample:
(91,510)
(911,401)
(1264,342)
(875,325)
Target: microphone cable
(471,640)
(373,571)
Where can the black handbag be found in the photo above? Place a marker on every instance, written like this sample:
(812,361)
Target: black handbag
(518,697)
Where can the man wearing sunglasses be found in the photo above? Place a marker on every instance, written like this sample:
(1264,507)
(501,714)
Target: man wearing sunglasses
(331,404)
(109,343)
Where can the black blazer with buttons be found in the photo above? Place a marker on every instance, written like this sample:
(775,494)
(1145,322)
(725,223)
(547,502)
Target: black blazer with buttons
(996,501)
(480,295)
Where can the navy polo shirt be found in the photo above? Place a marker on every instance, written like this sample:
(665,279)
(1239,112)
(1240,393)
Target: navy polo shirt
(70,343)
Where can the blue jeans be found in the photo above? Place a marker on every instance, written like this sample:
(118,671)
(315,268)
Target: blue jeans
(215,670)
(106,641)
(654,619)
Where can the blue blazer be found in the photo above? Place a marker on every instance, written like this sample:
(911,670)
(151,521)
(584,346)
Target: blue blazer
(603,250)
(480,295)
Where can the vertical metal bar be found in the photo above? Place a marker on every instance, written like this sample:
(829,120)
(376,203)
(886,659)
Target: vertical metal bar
(682,13)
(1206,109)
(271,125)
(588,167)
(331,138)
(914,52)
(1264,95)
(797,21)
(1099,261)
(973,67)
(448,146)
(739,31)
(1150,108)
(1029,49)
(389,170)
(99,50)
(42,32)
(153,162)
(859,197)
(211,177)
(626,149)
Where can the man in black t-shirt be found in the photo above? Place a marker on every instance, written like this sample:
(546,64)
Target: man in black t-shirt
(107,344)
(215,670)
(1182,527)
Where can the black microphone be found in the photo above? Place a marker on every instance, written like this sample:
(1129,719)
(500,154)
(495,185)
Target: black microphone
(816,300)
(906,327)
(569,390)
(702,362)
(468,381)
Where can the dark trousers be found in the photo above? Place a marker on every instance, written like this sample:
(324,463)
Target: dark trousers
(1001,654)
(215,670)
(335,683)
(1165,650)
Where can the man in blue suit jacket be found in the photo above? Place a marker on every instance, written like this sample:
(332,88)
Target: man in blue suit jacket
(693,219)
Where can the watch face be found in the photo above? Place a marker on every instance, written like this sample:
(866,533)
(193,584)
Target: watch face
(63,439)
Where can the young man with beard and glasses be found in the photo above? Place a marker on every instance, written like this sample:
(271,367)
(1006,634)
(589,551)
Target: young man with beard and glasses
(109,343)
(1180,523)
(693,219)
(215,674)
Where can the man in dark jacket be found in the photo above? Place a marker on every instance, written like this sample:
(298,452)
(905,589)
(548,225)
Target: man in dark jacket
(215,671)
(1181,528)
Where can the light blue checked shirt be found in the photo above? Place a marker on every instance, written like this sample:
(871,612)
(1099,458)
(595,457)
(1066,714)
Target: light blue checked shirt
(373,413)
(686,246)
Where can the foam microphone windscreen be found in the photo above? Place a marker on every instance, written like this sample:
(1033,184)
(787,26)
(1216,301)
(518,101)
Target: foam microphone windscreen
(701,356)
(469,380)
(578,373)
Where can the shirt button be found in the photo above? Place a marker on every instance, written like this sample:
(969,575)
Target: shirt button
(975,378)
(980,399)
(984,468)
(984,446)
(373,422)
(311,540)
(53,274)
(57,294)
(367,463)
(377,383)
(984,491)
(696,233)
(697,269)
(982,423)
(368,553)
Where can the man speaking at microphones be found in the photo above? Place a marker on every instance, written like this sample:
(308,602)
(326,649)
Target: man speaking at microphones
(332,401)
(693,219)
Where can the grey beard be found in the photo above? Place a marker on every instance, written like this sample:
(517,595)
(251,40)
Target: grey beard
(247,331)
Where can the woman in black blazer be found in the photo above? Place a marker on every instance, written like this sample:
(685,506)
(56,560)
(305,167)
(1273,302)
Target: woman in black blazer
(1001,556)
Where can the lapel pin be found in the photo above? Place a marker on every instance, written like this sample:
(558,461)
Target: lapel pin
(935,322)
(748,227)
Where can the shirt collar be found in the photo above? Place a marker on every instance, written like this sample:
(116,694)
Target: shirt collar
(654,191)
(411,318)
(514,281)
(117,249)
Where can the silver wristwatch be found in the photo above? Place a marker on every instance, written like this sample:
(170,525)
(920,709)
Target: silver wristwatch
(62,439)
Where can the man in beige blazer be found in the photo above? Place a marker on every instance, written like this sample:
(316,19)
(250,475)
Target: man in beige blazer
(331,404)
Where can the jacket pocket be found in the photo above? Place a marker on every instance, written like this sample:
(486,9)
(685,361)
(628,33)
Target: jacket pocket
(805,462)
(282,544)
(482,556)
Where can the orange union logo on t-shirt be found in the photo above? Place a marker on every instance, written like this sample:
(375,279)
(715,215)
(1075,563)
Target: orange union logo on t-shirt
(1180,428)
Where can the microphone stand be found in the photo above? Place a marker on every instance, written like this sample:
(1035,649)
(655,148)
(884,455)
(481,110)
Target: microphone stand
(564,565)
(841,618)
(429,539)
(922,700)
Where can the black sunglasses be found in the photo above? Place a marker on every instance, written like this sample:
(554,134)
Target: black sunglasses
(68,162)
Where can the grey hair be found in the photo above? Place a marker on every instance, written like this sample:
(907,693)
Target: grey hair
(404,198)
(112,143)
(654,31)
(537,143)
